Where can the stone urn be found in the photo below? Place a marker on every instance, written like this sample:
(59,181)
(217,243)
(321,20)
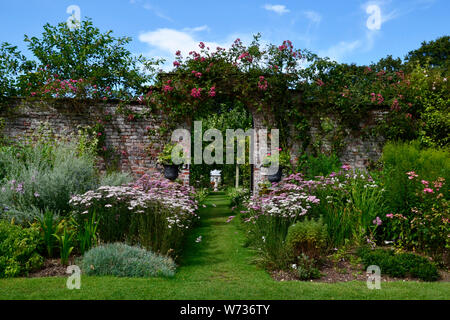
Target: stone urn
(171,171)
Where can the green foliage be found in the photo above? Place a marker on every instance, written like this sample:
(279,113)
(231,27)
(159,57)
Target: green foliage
(18,250)
(153,213)
(399,158)
(65,245)
(45,176)
(115,179)
(86,232)
(201,194)
(237,196)
(13,65)
(400,264)
(435,53)
(87,53)
(121,260)
(283,159)
(267,235)
(420,216)
(165,157)
(48,226)
(229,115)
(306,268)
(349,204)
(307,237)
(320,165)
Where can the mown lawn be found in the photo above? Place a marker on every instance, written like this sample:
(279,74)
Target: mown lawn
(218,267)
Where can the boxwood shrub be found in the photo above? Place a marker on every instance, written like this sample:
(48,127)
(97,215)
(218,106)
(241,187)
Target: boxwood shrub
(18,250)
(399,265)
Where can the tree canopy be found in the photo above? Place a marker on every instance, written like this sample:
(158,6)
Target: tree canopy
(435,53)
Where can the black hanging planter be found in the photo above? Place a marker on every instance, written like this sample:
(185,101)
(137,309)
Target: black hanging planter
(276,177)
(171,171)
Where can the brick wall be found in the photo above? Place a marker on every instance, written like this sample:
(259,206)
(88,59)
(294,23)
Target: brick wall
(134,149)
(137,150)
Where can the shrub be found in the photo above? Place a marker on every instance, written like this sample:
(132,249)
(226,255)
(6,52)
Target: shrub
(399,158)
(321,165)
(115,179)
(121,260)
(237,196)
(269,216)
(45,176)
(306,268)
(425,226)
(18,250)
(399,265)
(307,237)
(201,194)
(350,203)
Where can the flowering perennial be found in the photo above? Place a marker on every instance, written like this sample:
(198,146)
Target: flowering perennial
(153,211)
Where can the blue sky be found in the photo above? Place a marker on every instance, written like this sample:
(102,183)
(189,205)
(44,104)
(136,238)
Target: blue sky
(348,31)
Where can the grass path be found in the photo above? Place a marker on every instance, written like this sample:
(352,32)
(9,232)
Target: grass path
(220,255)
(218,267)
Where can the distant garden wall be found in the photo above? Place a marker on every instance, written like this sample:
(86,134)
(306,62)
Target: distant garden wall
(132,144)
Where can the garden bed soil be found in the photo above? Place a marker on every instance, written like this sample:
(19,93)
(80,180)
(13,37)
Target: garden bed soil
(51,268)
(344,271)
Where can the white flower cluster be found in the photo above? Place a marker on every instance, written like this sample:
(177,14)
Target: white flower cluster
(176,201)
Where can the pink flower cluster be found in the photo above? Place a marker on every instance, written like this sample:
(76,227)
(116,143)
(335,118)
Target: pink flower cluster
(246,56)
(196,92)
(262,83)
(196,74)
(375,97)
(289,199)
(412,175)
(167,88)
(148,191)
(395,105)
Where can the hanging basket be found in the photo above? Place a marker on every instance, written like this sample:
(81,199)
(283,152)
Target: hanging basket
(171,171)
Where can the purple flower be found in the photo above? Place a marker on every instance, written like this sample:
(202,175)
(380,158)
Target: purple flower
(377,221)
(230,218)
(19,188)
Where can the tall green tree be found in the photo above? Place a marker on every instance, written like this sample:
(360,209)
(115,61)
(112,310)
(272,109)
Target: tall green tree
(13,65)
(434,53)
(87,53)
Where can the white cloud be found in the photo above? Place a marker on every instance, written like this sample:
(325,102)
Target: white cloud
(156,11)
(169,41)
(164,42)
(340,50)
(315,17)
(277,8)
(197,29)
(375,17)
